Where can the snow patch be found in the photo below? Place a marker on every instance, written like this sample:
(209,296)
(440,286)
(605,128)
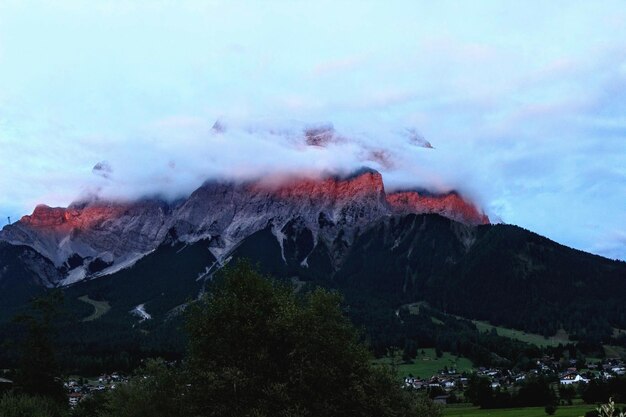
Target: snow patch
(280,236)
(140,311)
(77,274)
(126,263)
(204,273)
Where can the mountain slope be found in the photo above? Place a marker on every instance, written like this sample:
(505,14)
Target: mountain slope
(149,258)
(23,274)
(500,273)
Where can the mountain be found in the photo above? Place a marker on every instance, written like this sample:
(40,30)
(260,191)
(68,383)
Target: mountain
(146,260)
(95,238)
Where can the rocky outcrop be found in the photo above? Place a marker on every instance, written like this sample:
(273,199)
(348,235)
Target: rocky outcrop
(230,212)
(106,230)
(450,205)
(45,217)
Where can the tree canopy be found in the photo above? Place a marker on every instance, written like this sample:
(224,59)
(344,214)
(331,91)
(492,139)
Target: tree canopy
(257,349)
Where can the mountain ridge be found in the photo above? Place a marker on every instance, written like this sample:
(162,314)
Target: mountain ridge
(111,234)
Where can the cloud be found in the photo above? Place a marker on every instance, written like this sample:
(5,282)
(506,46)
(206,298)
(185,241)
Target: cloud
(524,105)
(172,160)
(102,169)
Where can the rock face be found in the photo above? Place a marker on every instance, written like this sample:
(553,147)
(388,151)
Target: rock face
(113,234)
(450,205)
(227,213)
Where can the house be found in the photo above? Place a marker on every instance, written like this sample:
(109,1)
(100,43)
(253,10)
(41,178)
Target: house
(74,398)
(618,370)
(572,378)
(411,382)
(448,384)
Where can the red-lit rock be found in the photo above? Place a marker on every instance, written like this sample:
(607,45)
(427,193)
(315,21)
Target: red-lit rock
(367,184)
(45,216)
(60,217)
(449,205)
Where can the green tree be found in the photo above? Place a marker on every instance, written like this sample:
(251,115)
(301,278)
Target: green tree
(479,391)
(93,405)
(156,390)
(536,392)
(550,409)
(38,373)
(20,405)
(567,393)
(257,350)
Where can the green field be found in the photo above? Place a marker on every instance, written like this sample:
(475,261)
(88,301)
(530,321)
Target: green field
(564,411)
(614,351)
(534,339)
(483,326)
(427,364)
(538,340)
(100,307)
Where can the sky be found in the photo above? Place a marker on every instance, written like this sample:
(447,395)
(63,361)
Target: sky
(523,102)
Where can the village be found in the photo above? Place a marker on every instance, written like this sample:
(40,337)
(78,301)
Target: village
(445,387)
(448,385)
(78,388)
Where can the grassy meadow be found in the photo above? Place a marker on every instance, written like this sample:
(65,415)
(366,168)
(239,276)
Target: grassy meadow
(427,364)
(100,307)
(563,411)
(534,339)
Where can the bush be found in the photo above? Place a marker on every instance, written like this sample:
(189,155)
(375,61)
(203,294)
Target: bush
(13,405)
(550,409)
(155,391)
(608,410)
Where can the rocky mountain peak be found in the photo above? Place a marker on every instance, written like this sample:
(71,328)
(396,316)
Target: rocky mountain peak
(364,184)
(334,210)
(45,216)
(76,216)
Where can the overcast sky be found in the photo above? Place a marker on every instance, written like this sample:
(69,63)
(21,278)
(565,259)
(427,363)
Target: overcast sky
(523,102)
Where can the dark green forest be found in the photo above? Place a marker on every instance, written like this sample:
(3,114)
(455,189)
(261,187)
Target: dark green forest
(500,273)
(254,348)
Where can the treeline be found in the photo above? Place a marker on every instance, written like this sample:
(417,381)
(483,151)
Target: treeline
(429,328)
(89,348)
(543,391)
(597,391)
(254,349)
(100,346)
(535,392)
(530,283)
(506,275)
